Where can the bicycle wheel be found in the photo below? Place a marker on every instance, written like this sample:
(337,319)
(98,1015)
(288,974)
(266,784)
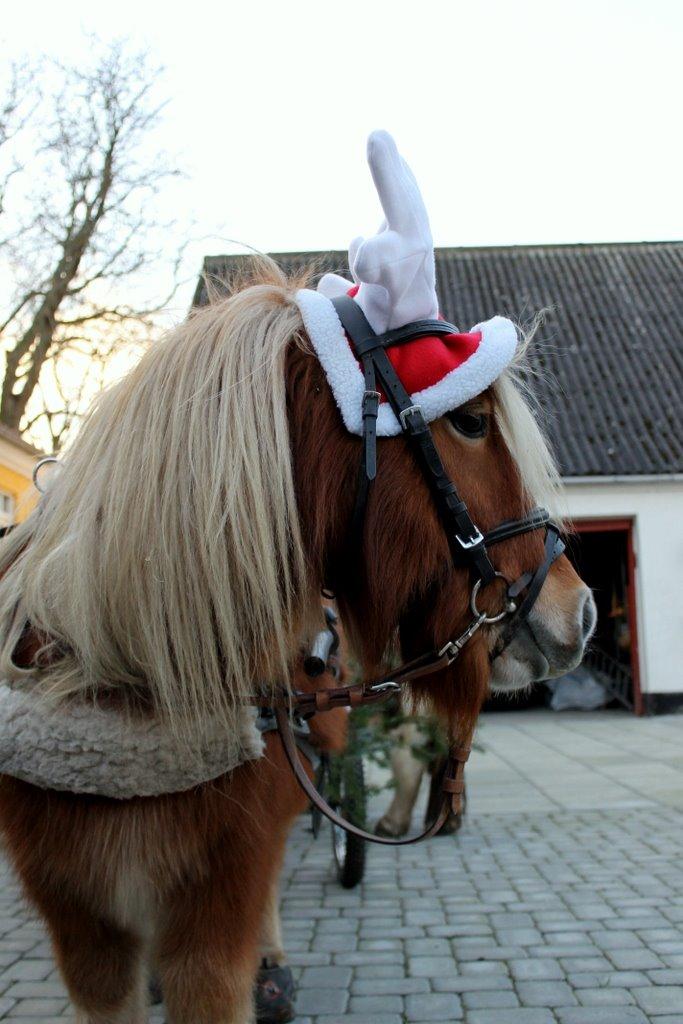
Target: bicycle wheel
(349,850)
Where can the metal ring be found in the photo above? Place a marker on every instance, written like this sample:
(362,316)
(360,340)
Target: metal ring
(37,468)
(488,619)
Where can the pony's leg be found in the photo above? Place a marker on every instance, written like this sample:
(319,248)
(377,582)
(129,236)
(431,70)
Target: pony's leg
(209,935)
(407,771)
(272,946)
(102,964)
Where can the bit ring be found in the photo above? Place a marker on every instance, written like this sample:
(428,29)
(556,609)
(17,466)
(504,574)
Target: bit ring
(489,619)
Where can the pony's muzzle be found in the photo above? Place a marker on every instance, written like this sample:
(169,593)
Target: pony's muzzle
(562,632)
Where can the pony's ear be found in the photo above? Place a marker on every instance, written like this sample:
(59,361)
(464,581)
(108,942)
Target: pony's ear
(333,285)
(395,267)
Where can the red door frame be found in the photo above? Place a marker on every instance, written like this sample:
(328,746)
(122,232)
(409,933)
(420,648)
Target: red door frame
(624,525)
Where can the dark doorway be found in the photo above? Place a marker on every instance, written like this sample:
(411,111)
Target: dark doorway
(600,560)
(602,552)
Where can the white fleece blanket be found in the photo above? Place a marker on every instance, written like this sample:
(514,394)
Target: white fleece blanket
(80,748)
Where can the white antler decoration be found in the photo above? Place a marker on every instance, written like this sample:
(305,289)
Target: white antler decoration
(394,268)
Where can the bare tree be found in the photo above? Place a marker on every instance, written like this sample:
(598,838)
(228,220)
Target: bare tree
(82,231)
(14,113)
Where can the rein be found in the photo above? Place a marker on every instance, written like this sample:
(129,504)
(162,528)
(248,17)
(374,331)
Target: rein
(468,547)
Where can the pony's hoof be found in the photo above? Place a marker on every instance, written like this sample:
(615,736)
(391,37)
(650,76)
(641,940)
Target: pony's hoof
(451,825)
(274,994)
(385,827)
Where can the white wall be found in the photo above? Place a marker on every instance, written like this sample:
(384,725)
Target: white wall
(656,506)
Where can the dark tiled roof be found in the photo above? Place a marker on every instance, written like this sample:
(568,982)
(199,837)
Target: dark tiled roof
(610,350)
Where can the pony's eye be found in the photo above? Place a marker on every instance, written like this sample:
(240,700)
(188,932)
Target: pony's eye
(470,424)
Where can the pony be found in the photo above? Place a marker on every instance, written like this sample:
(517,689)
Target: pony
(173,570)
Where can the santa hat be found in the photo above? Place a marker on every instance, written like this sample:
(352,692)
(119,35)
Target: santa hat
(394,285)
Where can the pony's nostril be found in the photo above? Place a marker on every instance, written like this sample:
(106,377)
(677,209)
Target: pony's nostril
(589,616)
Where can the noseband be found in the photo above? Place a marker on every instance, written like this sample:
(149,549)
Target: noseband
(469,548)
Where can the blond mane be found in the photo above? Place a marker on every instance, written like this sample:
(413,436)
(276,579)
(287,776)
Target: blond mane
(166,556)
(516,412)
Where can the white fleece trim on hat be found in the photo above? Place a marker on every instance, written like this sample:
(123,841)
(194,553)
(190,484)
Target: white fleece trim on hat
(495,351)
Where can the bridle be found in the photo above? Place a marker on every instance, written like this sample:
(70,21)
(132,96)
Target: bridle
(469,548)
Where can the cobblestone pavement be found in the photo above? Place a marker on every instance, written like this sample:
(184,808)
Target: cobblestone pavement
(560,902)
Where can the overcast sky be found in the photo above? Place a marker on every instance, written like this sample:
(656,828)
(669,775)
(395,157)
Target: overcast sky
(524,121)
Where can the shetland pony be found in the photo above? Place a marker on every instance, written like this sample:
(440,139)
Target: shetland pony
(175,565)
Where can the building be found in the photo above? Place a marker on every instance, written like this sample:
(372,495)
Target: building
(610,387)
(17,459)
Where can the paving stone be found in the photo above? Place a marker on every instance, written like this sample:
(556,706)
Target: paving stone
(366,958)
(36,990)
(523,1015)
(519,936)
(326,977)
(511,921)
(481,967)
(660,999)
(428,947)
(470,982)
(605,996)
(372,1005)
(536,970)
(545,993)
(39,1008)
(602,1015)
(303,959)
(378,972)
(581,964)
(441,1006)
(663,977)
(490,999)
(617,940)
(27,970)
(389,986)
(321,1000)
(634,959)
(487,951)
(430,966)
(615,979)
(355,1018)
(337,943)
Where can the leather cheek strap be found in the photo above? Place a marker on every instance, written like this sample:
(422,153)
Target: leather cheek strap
(453,786)
(533,583)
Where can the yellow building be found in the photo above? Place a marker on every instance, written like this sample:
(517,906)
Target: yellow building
(17,459)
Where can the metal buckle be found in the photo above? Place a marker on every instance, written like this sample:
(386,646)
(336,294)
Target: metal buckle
(408,412)
(368,397)
(471,542)
(388,686)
